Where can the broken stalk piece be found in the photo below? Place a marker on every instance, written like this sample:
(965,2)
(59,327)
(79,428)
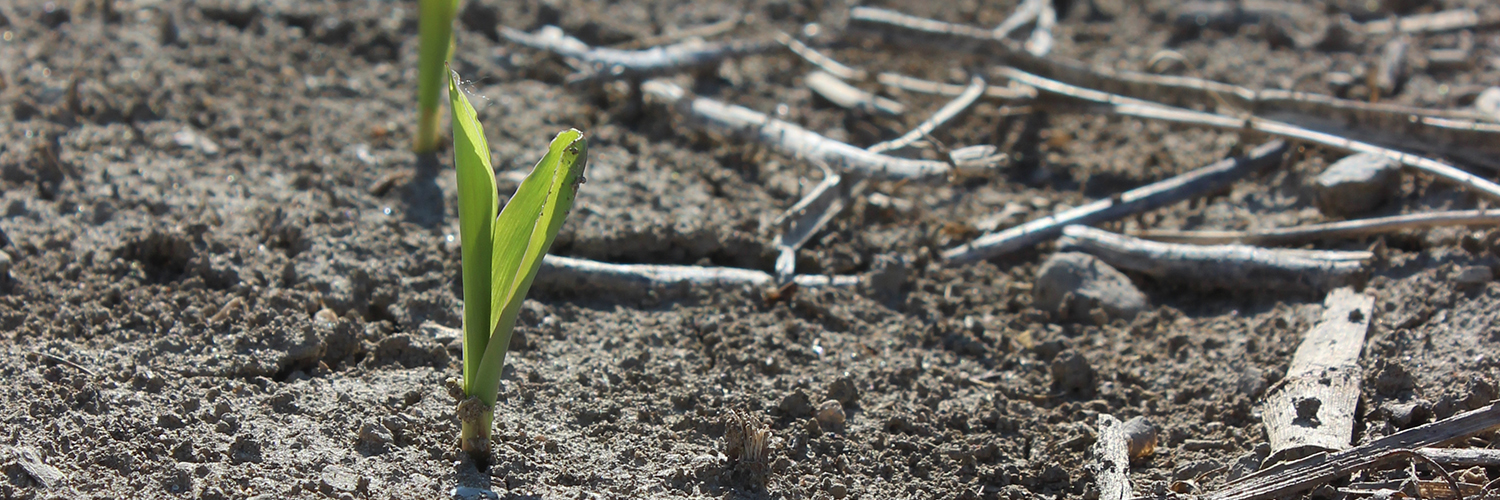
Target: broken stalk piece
(823,62)
(804,219)
(920,86)
(848,96)
(1230,267)
(1342,229)
(1200,182)
(1136,108)
(1461,133)
(573,274)
(793,140)
(603,63)
(949,111)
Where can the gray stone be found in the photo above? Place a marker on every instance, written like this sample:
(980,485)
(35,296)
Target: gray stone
(796,404)
(1489,102)
(1356,184)
(831,414)
(1192,470)
(1072,284)
(888,273)
(1071,372)
(844,390)
(1471,275)
(375,436)
(1246,465)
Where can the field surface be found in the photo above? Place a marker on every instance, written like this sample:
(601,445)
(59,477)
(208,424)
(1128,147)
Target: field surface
(226,276)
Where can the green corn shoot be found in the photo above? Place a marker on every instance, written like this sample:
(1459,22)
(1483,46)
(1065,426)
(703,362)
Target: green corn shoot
(435,42)
(501,254)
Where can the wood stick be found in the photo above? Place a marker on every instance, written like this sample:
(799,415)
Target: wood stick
(1308,473)
(793,140)
(1230,267)
(1111,465)
(1137,108)
(1210,179)
(848,96)
(918,85)
(1040,42)
(804,219)
(823,62)
(603,63)
(948,112)
(1330,230)
(571,274)
(1447,20)
(1463,457)
(703,31)
(1312,408)
(1463,133)
(1025,13)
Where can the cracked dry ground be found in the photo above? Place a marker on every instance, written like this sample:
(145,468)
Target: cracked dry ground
(206,295)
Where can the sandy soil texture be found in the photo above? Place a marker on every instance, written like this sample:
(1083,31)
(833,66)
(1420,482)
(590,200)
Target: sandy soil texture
(224,275)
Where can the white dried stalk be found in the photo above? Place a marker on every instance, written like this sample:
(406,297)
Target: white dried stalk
(1331,230)
(823,62)
(793,140)
(1025,13)
(1447,20)
(1040,42)
(804,219)
(848,96)
(1462,133)
(920,86)
(568,273)
(1200,182)
(948,112)
(1126,106)
(603,63)
(1231,267)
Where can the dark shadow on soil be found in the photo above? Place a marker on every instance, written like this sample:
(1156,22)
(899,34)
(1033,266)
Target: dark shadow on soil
(423,197)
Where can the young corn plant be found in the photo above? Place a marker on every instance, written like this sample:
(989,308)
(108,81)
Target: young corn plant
(435,46)
(501,254)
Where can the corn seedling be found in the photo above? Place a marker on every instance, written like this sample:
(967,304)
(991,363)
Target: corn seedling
(435,42)
(501,254)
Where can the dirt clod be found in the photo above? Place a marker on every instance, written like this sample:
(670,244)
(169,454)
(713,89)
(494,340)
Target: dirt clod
(831,415)
(1071,285)
(1072,373)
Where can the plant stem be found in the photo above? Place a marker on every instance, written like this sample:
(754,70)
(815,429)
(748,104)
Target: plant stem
(476,419)
(435,36)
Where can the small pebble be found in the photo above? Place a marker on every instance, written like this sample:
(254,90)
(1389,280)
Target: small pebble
(1245,465)
(1140,435)
(1073,284)
(831,414)
(1471,275)
(1071,372)
(374,435)
(796,404)
(471,493)
(1488,103)
(844,390)
(1356,184)
(838,490)
(1192,470)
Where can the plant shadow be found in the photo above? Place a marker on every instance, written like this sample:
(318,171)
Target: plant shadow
(422,195)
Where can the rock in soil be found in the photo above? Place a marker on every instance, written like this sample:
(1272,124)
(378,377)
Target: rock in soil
(831,415)
(1072,284)
(1356,184)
